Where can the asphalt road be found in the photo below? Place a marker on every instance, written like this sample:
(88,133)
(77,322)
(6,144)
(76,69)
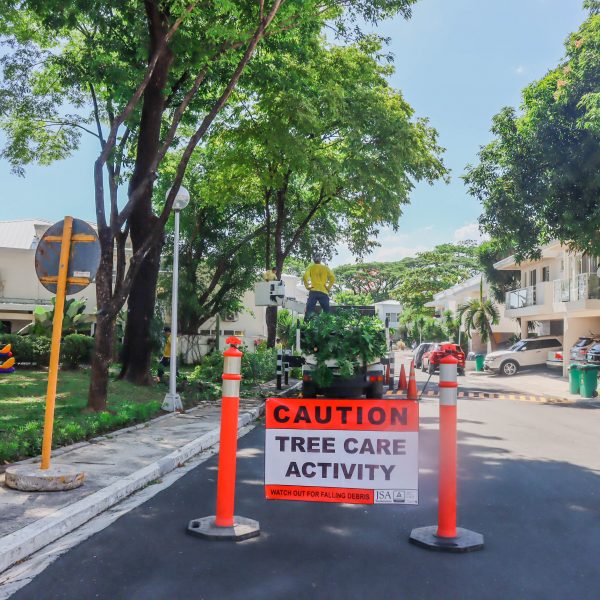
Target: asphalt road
(528,480)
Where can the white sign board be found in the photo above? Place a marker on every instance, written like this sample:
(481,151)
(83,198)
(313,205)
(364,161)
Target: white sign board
(354,451)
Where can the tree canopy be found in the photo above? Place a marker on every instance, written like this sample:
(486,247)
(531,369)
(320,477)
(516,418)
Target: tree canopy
(435,270)
(539,179)
(143,77)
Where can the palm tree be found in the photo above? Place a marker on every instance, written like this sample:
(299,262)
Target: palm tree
(480,315)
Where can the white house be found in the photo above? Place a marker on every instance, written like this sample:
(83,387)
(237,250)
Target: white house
(389,309)
(249,324)
(20,290)
(452,298)
(559,292)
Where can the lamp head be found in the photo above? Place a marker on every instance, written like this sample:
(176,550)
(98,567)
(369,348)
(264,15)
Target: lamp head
(182,199)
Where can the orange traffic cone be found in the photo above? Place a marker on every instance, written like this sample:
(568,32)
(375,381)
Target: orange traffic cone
(403,386)
(387,375)
(412,384)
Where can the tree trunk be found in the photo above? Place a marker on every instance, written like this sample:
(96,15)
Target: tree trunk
(103,336)
(101,360)
(137,351)
(271,320)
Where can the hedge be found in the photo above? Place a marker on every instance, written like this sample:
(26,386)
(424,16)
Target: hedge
(34,350)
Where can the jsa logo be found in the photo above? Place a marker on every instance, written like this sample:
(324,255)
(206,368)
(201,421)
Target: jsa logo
(389,496)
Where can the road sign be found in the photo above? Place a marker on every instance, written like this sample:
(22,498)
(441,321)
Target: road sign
(353,451)
(84,257)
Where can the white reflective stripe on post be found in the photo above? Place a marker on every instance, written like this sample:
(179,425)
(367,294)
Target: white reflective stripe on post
(448,372)
(232,364)
(448,396)
(231,388)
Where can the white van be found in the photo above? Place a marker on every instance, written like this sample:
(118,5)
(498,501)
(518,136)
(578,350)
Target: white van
(525,353)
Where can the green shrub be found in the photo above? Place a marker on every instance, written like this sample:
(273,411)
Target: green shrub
(209,370)
(29,349)
(76,349)
(259,366)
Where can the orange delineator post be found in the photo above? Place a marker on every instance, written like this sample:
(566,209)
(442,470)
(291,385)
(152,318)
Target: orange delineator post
(403,385)
(228,442)
(412,393)
(447,459)
(446,536)
(225,525)
(59,307)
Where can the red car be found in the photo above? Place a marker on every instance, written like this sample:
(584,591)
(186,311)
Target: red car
(431,359)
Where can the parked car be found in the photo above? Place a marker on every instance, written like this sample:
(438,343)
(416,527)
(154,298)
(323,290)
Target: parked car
(525,353)
(555,359)
(593,354)
(419,351)
(581,348)
(431,358)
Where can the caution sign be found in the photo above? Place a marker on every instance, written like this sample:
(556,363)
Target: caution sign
(354,451)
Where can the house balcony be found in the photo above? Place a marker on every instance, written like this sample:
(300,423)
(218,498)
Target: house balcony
(529,301)
(579,293)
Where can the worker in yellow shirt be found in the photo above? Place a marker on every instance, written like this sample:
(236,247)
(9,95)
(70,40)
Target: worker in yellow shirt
(318,280)
(270,275)
(165,361)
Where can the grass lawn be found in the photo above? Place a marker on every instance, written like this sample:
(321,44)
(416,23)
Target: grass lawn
(22,405)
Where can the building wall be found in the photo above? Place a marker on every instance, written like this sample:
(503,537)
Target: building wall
(20,290)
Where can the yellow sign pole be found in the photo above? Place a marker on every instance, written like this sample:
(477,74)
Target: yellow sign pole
(59,307)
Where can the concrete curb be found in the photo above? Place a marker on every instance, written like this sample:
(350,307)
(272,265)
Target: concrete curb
(24,542)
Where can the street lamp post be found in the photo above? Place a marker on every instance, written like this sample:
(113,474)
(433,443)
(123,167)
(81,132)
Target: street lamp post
(172,401)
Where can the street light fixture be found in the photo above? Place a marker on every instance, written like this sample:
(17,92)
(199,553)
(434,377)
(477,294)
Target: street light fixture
(172,401)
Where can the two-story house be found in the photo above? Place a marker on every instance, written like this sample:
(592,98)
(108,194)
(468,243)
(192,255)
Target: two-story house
(559,295)
(459,294)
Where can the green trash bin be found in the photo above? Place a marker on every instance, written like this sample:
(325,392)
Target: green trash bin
(479,362)
(589,380)
(574,379)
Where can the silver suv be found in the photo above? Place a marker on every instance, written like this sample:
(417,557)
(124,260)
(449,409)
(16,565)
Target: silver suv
(525,353)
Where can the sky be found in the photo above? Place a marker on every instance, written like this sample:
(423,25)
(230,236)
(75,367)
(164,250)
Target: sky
(457,63)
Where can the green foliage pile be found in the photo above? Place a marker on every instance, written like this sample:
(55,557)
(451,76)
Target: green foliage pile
(351,339)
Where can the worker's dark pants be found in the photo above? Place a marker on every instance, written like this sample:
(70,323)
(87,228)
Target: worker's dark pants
(313,298)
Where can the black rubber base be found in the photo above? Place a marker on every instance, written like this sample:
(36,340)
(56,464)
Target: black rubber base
(243,529)
(465,540)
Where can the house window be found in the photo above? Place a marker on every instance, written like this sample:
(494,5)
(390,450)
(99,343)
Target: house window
(545,273)
(532,277)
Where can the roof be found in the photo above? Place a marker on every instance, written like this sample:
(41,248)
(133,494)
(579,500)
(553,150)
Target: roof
(20,235)
(392,302)
(550,250)
(472,282)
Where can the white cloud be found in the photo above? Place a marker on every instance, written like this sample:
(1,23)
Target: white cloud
(521,70)
(396,252)
(469,232)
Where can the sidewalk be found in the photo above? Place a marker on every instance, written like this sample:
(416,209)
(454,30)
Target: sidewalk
(116,465)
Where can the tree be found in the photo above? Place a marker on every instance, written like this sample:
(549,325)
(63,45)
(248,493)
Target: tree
(333,149)
(351,298)
(220,248)
(375,279)
(538,179)
(480,314)
(433,271)
(130,73)
(500,282)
